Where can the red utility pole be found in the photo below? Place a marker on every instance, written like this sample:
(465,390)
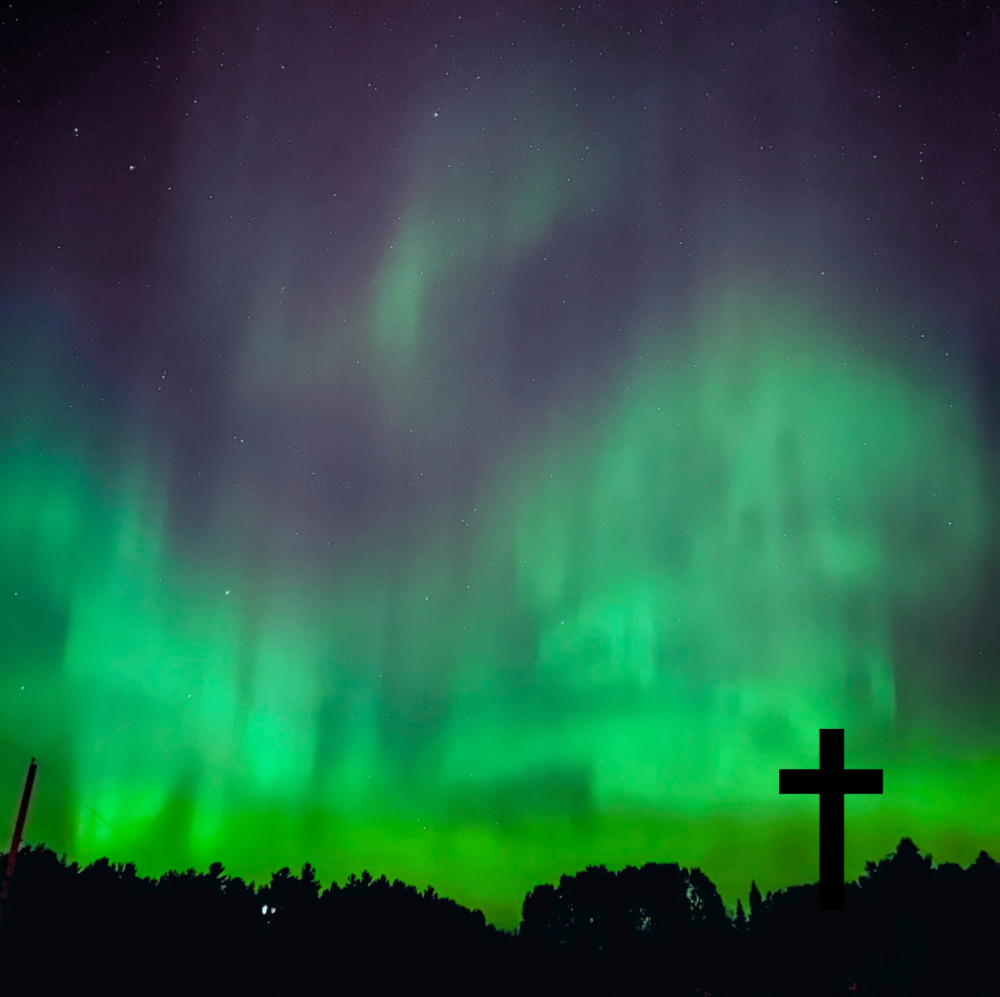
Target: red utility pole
(18,828)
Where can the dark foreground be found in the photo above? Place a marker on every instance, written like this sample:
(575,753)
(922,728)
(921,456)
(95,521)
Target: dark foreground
(907,929)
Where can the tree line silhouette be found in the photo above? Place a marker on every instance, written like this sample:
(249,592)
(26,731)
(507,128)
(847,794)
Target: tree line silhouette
(907,928)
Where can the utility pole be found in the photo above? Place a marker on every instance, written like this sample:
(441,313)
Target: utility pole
(18,829)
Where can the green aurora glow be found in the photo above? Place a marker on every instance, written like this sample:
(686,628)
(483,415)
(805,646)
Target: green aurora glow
(555,625)
(654,603)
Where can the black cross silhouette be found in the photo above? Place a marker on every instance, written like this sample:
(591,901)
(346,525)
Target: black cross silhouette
(831,780)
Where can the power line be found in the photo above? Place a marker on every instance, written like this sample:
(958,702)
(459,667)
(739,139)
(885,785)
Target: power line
(75,796)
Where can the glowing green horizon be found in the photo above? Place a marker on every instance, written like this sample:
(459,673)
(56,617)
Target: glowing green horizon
(604,655)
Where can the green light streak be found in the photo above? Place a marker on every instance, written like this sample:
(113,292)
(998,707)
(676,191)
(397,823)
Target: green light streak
(663,594)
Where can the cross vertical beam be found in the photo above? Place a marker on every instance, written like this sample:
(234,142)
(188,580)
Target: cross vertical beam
(831,781)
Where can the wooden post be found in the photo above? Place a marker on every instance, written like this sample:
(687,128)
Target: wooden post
(18,829)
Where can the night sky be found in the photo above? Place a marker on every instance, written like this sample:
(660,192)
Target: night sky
(474,441)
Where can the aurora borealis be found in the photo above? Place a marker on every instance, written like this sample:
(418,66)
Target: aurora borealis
(469,442)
